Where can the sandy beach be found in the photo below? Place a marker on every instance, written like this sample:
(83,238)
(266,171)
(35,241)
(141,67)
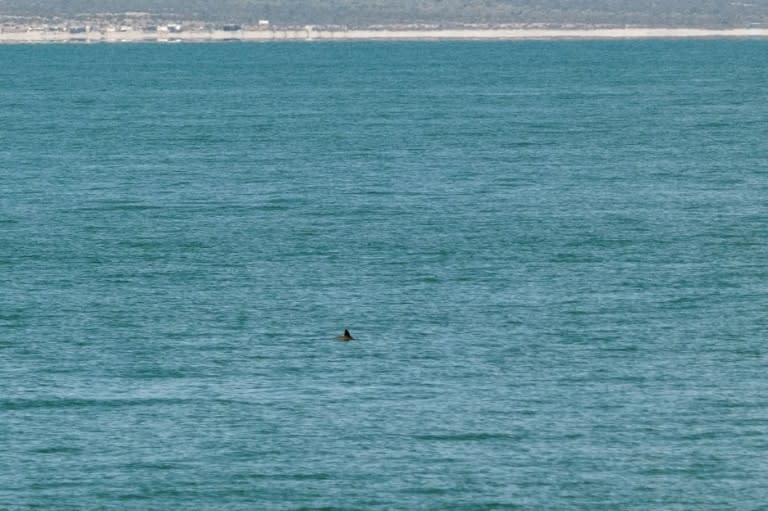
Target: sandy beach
(321,34)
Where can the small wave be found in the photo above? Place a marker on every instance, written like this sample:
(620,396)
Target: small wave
(152,466)
(26,404)
(117,206)
(57,450)
(292,477)
(306,477)
(428,491)
(13,317)
(465,437)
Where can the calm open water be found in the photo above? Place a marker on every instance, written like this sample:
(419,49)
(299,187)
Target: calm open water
(553,257)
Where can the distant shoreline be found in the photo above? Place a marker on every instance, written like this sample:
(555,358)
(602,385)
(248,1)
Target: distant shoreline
(377,34)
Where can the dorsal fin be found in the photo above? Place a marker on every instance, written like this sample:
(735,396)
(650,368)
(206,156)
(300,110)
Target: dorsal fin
(346,337)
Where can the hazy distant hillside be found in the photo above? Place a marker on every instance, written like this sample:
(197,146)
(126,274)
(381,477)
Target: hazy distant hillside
(715,13)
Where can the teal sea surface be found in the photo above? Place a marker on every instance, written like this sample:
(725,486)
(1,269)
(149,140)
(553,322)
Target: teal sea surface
(553,256)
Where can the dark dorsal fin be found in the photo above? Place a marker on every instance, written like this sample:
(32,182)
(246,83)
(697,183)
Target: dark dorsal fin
(346,337)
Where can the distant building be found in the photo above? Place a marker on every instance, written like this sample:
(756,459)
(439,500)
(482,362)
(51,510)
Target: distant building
(231,28)
(263,24)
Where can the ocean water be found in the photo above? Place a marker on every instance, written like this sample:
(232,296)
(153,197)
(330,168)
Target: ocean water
(553,257)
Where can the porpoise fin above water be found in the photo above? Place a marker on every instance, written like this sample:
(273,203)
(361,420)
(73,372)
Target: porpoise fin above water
(346,337)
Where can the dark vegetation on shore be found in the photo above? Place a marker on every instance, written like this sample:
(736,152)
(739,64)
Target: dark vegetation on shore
(655,13)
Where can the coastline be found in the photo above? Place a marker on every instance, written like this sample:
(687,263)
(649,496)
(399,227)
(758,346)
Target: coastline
(310,33)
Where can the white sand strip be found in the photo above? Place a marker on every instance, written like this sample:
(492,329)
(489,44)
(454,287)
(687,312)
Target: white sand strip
(319,34)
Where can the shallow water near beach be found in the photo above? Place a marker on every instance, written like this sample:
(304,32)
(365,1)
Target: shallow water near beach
(552,257)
